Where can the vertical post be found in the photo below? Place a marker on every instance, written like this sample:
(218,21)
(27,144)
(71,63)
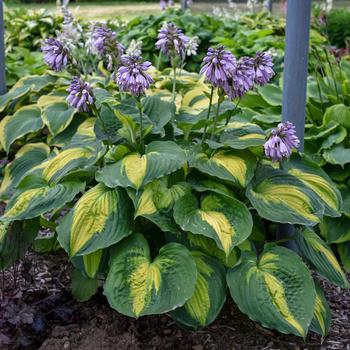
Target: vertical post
(295,77)
(296,64)
(268,5)
(2,51)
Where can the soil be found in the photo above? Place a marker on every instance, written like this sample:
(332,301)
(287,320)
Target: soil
(37,311)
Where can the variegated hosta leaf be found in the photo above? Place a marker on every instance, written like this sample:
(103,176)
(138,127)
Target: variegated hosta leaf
(24,121)
(74,157)
(57,116)
(281,197)
(276,290)
(318,181)
(239,135)
(27,157)
(322,314)
(209,247)
(137,286)
(226,220)
(92,263)
(344,253)
(320,255)
(336,230)
(135,170)
(204,185)
(40,199)
(234,166)
(156,200)
(100,218)
(23,86)
(209,295)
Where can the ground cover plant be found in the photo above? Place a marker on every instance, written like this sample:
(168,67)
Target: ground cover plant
(166,187)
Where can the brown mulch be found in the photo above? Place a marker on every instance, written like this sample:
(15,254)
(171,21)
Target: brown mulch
(38,312)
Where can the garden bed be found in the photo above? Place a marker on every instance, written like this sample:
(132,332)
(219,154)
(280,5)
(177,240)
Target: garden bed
(48,318)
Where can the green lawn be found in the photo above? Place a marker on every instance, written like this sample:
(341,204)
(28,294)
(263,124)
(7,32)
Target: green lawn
(127,10)
(104,10)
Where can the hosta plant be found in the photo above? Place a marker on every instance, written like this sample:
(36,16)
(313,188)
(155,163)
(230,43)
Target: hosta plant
(161,189)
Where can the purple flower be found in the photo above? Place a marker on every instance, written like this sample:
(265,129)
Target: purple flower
(171,41)
(80,95)
(263,68)
(242,78)
(105,41)
(163,5)
(56,55)
(219,65)
(132,76)
(281,142)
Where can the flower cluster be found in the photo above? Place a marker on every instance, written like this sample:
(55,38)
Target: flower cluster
(263,68)
(132,75)
(192,46)
(80,95)
(281,142)
(242,79)
(218,66)
(171,41)
(222,70)
(104,42)
(56,55)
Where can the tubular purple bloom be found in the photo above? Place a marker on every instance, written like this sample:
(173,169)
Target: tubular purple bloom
(105,41)
(263,68)
(281,142)
(171,41)
(219,65)
(163,5)
(80,95)
(242,78)
(132,76)
(56,55)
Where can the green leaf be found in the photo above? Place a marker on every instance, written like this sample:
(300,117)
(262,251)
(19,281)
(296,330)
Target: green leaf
(40,199)
(226,220)
(321,322)
(209,295)
(159,112)
(336,230)
(337,155)
(344,253)
(83,288)
(137,285)
(100,218)
(320,255)
(24,121)
(236,167)
(71,158)
(15,239)
(57,116)
(338,113)
(209,247)
(238,135)
(335,138)
(315,178)
(156,200)
(134,170)
(26,158)
(272,94)
(275,290)
(281,197)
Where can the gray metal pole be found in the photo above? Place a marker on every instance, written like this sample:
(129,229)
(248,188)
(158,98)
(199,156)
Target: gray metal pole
(296,64)
(2,52)
(269,5)
(295,78)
